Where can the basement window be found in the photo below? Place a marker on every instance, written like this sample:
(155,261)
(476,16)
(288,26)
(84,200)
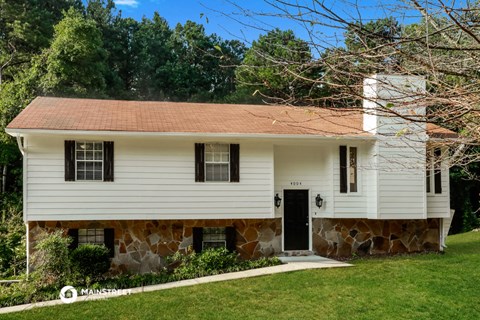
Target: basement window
(214,238)
(92,236)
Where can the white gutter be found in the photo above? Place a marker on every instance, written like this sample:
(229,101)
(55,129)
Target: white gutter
(21,132)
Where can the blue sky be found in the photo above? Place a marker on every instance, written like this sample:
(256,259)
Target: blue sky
(219,15)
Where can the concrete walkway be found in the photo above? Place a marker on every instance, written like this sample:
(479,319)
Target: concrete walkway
(290,264)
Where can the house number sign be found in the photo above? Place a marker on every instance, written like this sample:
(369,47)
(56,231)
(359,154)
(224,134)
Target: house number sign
(295,183)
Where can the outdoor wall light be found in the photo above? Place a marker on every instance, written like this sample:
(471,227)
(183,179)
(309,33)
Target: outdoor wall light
(278,201)
(318,201)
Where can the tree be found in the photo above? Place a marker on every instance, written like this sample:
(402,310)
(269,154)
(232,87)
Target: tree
(200,69)
(275,65)
(75,63)
(442,44)
(26,27)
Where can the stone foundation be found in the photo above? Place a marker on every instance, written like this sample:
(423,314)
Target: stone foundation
(140,245)
(346,237)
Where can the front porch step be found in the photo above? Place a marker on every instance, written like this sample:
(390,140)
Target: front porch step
(296,253)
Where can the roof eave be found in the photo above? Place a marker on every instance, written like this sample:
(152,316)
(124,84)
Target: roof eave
(22,132)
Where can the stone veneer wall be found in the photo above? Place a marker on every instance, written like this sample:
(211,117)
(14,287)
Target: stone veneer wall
(140,244)
(344,237)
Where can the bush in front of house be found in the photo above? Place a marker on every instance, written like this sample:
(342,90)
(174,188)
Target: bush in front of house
(51,259)
(211,262)
(90,261)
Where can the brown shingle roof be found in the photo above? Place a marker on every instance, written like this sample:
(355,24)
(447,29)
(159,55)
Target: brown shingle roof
(173,117)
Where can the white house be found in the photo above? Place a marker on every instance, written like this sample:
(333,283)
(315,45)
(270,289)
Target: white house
(150,178)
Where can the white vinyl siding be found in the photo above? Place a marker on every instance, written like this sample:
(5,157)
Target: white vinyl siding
(401,179)
(154,179)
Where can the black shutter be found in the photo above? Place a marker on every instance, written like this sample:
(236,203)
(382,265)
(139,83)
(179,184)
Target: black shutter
(108,161)
(69,160)
(438,171)
(73,233)
(234,163)
(197,239)
(199,162)
(230,235)
(109,241)
(343,169)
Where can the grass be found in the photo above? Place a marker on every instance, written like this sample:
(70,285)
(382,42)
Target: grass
(429,286)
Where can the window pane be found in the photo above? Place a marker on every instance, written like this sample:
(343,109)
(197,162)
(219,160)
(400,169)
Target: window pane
(89,146)
(81,146)
(208,156)
(81,165)
(98,146)
(80,175)
(209,172)
(89,175)
(98,155)
(89,155)
(89,166)
(222,148)
(80,155)
(353,169)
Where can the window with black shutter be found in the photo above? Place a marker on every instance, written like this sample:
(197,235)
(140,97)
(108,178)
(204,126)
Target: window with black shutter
(93,236)
(433,175)
(214,237)
(348,169)
(217,162)
(89,161)
(437,174)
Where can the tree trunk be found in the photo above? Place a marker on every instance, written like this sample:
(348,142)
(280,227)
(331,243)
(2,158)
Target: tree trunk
(4,178)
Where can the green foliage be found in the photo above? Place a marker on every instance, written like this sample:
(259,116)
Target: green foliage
(212,261)
(12,236)
(90,261)
(76,61)
(51,259)
(275,65)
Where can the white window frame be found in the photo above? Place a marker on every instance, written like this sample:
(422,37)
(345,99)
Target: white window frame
(431,161)
(359,184)
(77,149)
(207,145)
(91,232)
(349,167)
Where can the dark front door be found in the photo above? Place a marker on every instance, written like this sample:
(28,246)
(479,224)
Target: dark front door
(296,222)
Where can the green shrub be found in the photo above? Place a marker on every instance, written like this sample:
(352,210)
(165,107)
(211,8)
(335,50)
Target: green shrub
(50,260)
(90,260)
(212,261)
(12,236)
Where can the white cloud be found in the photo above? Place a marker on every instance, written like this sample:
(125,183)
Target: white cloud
(129,3)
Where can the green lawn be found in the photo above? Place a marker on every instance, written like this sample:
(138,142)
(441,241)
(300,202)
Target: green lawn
(432,286)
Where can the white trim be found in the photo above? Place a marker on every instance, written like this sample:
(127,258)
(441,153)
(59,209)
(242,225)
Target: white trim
(13,132)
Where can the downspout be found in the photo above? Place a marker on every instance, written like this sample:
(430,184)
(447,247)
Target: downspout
(27,247)
(20,145)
